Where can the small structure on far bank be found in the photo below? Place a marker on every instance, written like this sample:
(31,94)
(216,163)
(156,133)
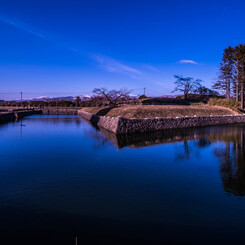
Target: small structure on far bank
(164,101)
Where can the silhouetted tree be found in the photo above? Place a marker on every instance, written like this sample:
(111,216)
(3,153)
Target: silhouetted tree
(112,96)
(186,85)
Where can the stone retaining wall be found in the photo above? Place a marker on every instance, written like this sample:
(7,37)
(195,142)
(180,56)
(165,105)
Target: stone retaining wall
(24,113)
(120,125)
(109,123)
(15,115)
(53,110)
(60,110)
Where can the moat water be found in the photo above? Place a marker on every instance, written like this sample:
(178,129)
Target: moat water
(61,178)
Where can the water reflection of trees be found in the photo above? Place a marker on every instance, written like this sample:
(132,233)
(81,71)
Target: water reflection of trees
(231,155)
(227,144)
(186,153)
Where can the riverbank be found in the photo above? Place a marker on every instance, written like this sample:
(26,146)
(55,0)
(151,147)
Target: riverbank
(52,110)
(15,115)
(190,116)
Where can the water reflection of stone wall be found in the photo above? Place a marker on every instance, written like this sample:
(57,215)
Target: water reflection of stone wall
(148,139)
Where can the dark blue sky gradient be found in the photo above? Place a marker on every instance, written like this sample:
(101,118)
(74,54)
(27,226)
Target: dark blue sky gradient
(70,47)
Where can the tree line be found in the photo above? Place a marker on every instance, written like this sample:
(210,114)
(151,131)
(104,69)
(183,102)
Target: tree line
(232,73)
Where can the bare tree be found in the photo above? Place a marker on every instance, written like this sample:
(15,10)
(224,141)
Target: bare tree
(186,85)
(113,96)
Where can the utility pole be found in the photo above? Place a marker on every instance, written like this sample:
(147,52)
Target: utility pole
(21,98)
(144,91)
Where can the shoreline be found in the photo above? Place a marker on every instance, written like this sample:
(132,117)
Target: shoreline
(15,115)
(119,125)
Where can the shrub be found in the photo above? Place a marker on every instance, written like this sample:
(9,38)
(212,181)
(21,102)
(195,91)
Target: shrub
(143,96)
(198,104)
(231,104)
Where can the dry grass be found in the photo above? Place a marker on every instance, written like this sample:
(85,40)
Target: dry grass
(152,111)
(93,110)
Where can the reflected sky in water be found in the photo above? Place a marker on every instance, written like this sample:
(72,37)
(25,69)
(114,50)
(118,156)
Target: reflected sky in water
(60,178)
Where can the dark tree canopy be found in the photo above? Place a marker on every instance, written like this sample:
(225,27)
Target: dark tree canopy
(204,91)
(78,101)
(231,79)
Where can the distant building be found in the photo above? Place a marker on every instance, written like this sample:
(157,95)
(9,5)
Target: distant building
(164,101)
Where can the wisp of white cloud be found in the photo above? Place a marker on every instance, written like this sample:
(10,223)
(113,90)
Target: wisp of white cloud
(24,27)
(107,63)
(188,62)
(112,65)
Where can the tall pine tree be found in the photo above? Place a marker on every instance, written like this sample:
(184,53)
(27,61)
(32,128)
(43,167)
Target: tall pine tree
(226,77)
(239,58)
(231,80)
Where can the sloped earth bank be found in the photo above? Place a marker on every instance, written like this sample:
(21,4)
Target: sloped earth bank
(153,111)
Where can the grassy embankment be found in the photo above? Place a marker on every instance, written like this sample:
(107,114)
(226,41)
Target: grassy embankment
(152,111)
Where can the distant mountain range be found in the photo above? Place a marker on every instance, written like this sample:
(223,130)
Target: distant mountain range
(67,98)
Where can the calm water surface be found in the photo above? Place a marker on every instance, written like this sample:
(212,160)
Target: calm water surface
(61,178)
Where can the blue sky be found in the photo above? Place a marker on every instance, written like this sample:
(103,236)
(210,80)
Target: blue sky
(70,47)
